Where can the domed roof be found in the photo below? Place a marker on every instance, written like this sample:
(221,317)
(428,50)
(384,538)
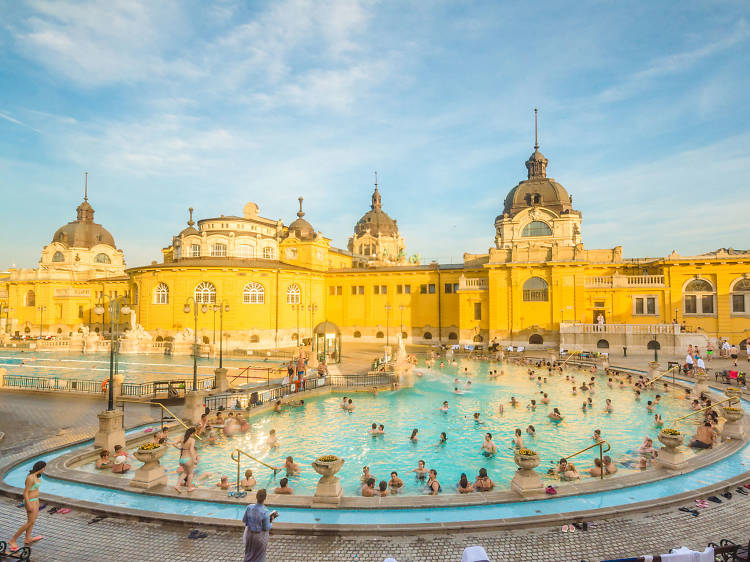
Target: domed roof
(83,232)
(538,190)
(376,221)
(301,229)
(190,226)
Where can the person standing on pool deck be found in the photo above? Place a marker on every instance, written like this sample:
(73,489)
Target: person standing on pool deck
(31,503)
(488,447)
(258,521)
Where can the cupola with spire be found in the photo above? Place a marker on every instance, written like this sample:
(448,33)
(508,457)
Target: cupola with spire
(300,228)
(83,232)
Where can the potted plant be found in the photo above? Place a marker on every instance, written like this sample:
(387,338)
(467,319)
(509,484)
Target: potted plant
(733,414)
(671,438)
(328,465)
(526,459)
(150,453)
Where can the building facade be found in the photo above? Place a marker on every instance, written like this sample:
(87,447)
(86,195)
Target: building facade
(536,285)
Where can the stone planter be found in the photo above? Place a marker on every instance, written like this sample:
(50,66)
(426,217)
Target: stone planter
(526,479)
(672,456)
(734,428)
(329,489)
(151,474)
(732,392)
(700,383)
(653,370)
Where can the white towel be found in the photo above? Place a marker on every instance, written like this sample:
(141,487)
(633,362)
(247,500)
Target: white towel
(684,554)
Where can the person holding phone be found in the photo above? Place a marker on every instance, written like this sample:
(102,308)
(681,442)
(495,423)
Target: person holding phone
(257,520)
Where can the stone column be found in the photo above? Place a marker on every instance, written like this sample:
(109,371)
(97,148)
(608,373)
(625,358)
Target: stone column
(110,431)
(222,384)
(117,381)
(194,408)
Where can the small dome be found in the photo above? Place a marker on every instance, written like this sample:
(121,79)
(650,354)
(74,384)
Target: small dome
(301,229)
(190,226)
(83,232)
(376,221)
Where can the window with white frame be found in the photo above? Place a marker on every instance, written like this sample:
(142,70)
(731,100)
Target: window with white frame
(646,305)
(740,296)
(535,289)
(136,294)
(161,294)
(219,250)
(195,250)
(699,298)
(268,253)
(245,251)
(205,293)
(293,294)
(253,293)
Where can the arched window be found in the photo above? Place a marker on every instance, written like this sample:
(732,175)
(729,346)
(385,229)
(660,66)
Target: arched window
(453,336)
(293,294)
(30,299)
(58,257)
(535,290)
(357,334)
(219,250)
(102,258)
(205,293)
(602,344)
(253,293)
(268,253)
(380,335)
(246,251)
(159,339)
(478,338)
(699,297)
(404,335)
(255,338)
(653,344)
(536,228)
(427,335)
(161,294)
(536,339)
(741,297)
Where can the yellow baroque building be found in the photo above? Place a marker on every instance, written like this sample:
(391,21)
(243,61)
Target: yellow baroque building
(267,284)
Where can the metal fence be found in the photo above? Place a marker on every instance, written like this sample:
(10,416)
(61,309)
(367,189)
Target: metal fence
(26,382)
(132,390)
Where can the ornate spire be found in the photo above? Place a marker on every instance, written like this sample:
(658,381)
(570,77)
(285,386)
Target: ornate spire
(84,211)
(86,186)
(376,203)
(536,165)
(300,214)
(190,221)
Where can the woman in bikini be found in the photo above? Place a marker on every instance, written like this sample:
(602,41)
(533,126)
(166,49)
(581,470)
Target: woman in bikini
(433,486)
(187,460)
(31,503)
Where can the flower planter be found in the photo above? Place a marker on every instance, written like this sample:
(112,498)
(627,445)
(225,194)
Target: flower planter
(734,428)
(329,489)
(672,456)
(526,479)
(671,441)
(151,474)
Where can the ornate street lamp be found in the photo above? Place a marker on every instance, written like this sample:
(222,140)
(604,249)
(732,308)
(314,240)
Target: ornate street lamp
(221,308)
(187,308)
(115,308)
(387,323)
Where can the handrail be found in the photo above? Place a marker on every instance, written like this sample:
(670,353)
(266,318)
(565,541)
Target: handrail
(571,354)
(163,407)
(599,444)
(706,408)
(665,373)
(237,460)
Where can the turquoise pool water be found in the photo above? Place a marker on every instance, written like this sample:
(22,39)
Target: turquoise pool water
(321,427)
(135,368)
(735,464)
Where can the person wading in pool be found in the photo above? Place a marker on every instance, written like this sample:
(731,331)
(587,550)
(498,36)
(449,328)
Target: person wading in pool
(488,447)
(187,460)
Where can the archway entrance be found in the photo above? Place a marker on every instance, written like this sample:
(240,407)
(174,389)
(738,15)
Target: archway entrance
(326,342)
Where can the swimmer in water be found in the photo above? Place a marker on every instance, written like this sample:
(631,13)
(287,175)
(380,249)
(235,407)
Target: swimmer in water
(555,415)
(608,408)
(420,471)
(488,447)
(658,421)
(545,399)
(518,440)
(477,421)
(513,401)
(531,430)
(443,439)
(597,435)
(590,403)
(444,407)
(413,437)
(272,442)
(574,393)
(500,408)
(531,405)
(457,391)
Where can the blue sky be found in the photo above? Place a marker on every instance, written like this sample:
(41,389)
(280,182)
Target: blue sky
(644,117)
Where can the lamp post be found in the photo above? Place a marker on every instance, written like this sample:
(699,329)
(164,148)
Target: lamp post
(387,323)
(41,319)
(222,307)
(187,308)
(313,308)
(115,308)
(298,307)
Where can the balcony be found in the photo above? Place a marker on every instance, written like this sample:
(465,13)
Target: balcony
(473,283)
(633,329)
(623,281)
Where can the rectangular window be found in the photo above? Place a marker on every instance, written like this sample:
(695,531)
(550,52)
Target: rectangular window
(80,312)
(354,289)
(639,306)
(707,304)
(407,289)
(331,290)
(376,289)
(691,304)
(399,289)
(650,305)
(431,288)
(219,250)
(384,289)
(267,253)
(195,250)
(644,305)
(361,289)
(423,289)
(477,311)
(448,288)
(339,290)
(738,303)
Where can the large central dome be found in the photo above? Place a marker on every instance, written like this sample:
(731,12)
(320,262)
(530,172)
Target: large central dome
(538,190)
(376,221)
(83,232)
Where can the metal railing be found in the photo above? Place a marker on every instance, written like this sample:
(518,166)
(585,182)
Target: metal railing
(238,460)
(730,399)
(664,374)
(375,379)
(27,382)
(163,409)
(602,450)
